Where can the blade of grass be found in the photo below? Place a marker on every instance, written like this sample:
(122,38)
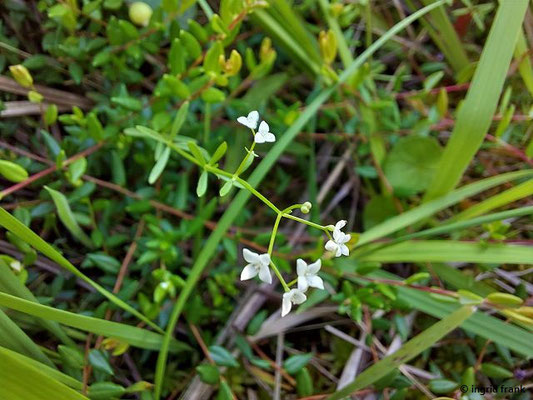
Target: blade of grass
(23,380)
(522,54)
(10,284)
(23,232)
(445,37)
(451,251)
(427,209)
(518,192)
(52,373)
(256,177)
(408,351)
(14,338)
(486,326)
(448,227)
(475,114)
(132,335)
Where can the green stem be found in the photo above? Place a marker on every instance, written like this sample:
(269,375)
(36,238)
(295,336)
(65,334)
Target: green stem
(274,232)
(207,122)
(278,274)
(292,282)
(304,221)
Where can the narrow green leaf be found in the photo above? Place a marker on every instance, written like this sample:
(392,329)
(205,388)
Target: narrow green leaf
(67,217)
(486,326)
(407,352)
(195,150)
(51,372)
(475,115)
(508,196)
(202,184)
(27,235)
(451,251)
(425,210)
(134,336)
(21,379)
(219,153)
(14,338)
(159,166)
(181,116)
(10,284)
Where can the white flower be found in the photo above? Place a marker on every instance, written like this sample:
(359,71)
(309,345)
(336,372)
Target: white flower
(257,264)
(339,225)
(307,275)
(263,134)
(337,245)
(250,121)
(294,296)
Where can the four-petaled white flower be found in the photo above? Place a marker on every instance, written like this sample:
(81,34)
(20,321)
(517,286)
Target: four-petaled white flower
(257,264)
(293,296)
(263,134)
(250,121)
(337,245)
(307,275)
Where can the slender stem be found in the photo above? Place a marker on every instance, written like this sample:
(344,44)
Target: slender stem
(306,222)
(290,208)
(294,281)
(278,274)
(245,184)
(207,121)
(274,232)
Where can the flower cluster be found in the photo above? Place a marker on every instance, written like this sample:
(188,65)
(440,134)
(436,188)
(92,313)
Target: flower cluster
(260,264)
(263,134)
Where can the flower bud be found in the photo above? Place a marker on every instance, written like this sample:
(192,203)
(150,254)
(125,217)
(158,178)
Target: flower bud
(21,75)
(306,207)
(328,46)
(265,49)
(35,97)
(140,13)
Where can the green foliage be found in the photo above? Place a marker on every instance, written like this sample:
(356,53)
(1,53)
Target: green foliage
(127,185)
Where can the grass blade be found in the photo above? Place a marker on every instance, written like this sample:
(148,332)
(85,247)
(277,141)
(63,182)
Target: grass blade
(23,380)
(486,326)
(518,192)
(451,251)
(255,178)
(456,226)
(407,352)
(23,232)
(475,115)
(525,69)
(10,284)
(14,338)
(51,372)
(445,37)
(425,210)
(130,334)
